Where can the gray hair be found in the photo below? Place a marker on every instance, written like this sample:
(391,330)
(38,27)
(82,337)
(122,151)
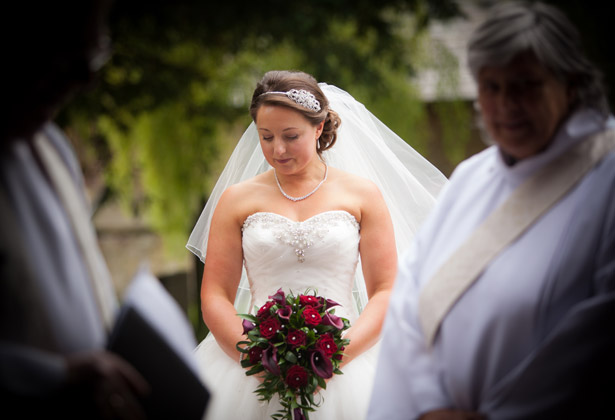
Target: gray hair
(516,27)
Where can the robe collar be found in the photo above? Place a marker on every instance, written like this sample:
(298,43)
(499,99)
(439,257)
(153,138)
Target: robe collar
(577,127)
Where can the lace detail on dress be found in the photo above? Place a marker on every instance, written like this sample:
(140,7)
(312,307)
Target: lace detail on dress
(300,235)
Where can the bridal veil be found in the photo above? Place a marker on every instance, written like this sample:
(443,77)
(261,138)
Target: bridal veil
(365,147)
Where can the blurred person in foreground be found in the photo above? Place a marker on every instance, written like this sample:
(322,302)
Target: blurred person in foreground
(503,308)
(57,301)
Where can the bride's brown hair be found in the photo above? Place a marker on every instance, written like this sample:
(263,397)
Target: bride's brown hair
(283,81)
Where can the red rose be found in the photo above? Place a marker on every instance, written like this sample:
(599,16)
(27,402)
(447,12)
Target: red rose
(295,338)
(327,345)
(264,312)
(311,315)
(308,300)
(296,377)
(255,354)
(269,327)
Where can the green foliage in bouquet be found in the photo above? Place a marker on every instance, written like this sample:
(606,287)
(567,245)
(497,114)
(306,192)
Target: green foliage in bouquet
(296,343)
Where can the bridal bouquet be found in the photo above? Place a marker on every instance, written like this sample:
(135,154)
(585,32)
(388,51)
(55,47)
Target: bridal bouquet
(297,342)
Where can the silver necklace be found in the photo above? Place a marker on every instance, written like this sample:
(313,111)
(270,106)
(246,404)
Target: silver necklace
(304,196)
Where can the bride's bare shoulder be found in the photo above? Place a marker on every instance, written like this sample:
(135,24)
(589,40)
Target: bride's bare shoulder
(352,181)
(241,198)
(249,186)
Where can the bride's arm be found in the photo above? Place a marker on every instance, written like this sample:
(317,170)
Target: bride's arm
(379,262)
(221,274)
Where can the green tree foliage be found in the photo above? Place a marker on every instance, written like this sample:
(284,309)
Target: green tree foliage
(171,103)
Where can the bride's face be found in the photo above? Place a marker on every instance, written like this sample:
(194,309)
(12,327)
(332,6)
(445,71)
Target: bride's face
(288,139)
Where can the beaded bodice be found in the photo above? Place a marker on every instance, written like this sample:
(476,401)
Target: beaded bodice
(321,252)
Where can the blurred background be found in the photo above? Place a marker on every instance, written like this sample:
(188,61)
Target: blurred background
(156,130)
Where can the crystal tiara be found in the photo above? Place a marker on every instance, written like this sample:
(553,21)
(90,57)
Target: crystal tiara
(301,97)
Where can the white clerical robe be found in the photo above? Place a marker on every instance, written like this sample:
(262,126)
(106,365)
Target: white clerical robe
(489,343)
(48,308)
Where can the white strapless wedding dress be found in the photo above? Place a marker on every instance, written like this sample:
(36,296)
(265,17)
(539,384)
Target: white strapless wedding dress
(321,253)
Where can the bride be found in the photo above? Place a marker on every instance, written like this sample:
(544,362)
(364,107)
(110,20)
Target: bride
(317,194)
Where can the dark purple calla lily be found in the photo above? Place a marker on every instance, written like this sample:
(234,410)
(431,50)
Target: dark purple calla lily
(247,326)
(284,312)
(270,360)
(298,414)
(333,320)
(330,303)
(321,365)
(279,297)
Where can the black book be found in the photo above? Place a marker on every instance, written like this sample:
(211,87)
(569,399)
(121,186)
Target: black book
(176,390)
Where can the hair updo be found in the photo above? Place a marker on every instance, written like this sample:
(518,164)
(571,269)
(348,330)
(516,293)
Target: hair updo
(283,81)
